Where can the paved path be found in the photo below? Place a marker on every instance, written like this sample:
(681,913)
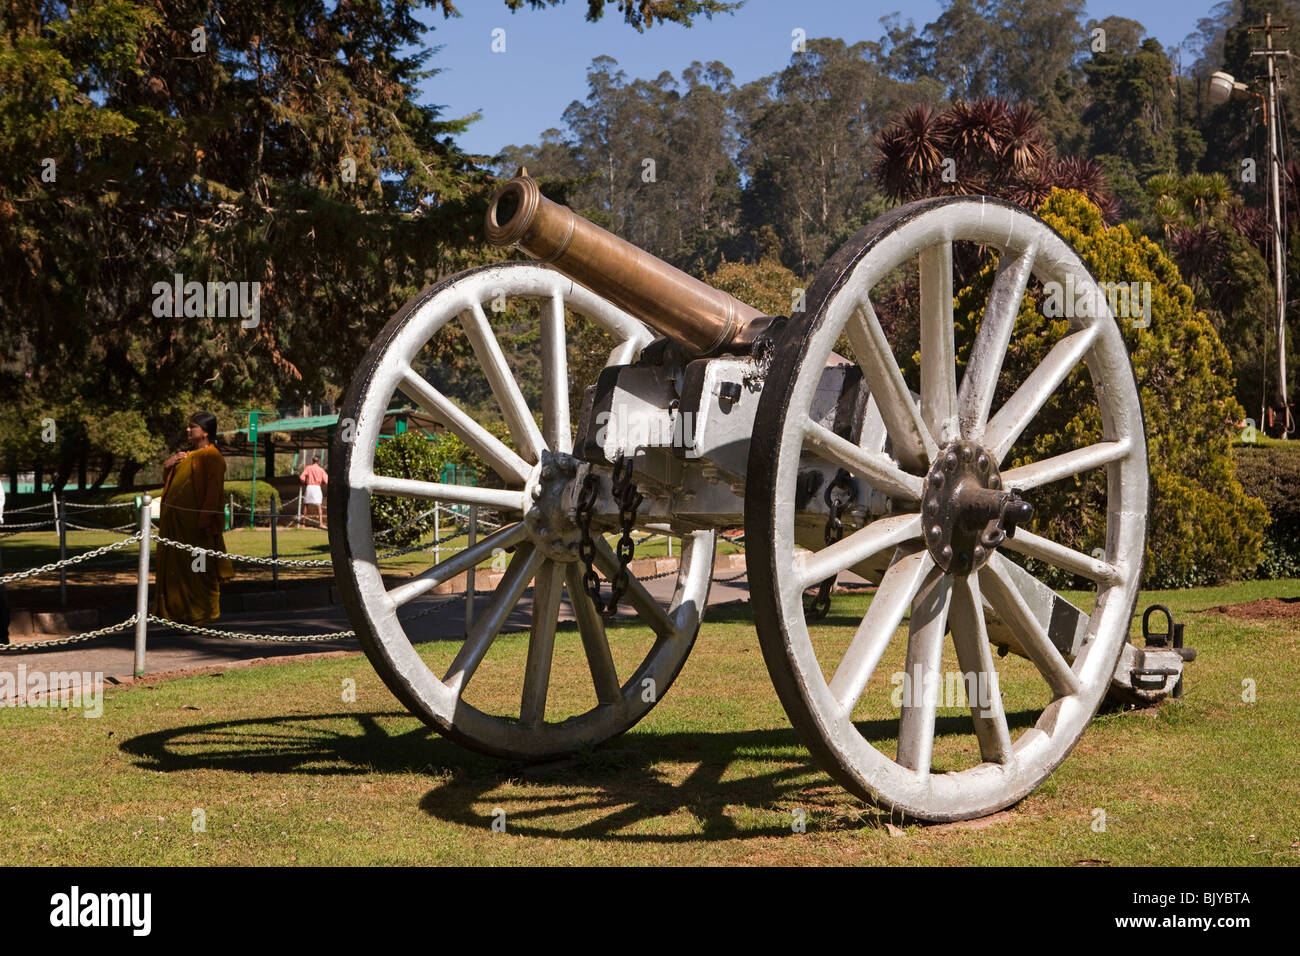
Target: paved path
(171,650)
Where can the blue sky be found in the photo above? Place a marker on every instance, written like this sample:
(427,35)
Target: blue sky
(525,89)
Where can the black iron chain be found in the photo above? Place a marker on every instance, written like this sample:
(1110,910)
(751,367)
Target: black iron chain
(629,500)
(843,482)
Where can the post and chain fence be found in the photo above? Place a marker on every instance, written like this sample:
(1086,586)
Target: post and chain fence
(142,618)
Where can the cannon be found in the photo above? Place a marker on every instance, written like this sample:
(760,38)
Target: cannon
(805,431)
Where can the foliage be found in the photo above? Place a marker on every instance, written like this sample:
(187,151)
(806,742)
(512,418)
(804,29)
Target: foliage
(1015,49)
(410,455)
(269,143)
(242,493)
(807,150)
(637,13)
(1132,113)
(985,147)
(1272,474)
(652,161)
(1202,527)
(1217,243)
(768,286)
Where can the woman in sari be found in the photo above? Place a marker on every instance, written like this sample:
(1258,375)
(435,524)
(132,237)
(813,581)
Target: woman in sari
(189,584)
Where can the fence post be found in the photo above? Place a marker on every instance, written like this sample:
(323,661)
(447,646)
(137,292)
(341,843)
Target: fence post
(469,575)
(669,539)
(142,586)
(61,521)
(437,533)
(300,509)
(275,551)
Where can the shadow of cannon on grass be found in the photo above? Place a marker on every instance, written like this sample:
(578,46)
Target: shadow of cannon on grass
(642,787)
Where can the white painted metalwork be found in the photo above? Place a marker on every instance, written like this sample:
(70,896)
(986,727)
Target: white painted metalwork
(536,557)
(918,429)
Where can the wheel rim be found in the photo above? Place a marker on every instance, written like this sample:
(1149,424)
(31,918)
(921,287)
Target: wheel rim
(822,707)
(438,697)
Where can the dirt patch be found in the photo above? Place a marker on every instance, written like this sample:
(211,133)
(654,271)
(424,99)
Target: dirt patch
(1265,609)
(236,665)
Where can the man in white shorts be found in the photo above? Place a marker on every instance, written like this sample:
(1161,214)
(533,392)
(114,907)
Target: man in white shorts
(313,476)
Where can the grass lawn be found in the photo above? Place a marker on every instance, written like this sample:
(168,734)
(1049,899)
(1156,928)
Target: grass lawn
(282,769)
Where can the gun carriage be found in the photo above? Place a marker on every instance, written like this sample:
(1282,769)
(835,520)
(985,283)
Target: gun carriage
(709,415)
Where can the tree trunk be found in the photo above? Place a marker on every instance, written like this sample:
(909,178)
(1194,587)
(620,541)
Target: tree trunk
(126,479)
(105,469)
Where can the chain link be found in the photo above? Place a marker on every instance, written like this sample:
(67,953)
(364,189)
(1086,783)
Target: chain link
(15,528)
(46,568)
(240,636)
(629,500)
(265,562)
(63,641)
(14,511)
(843,481)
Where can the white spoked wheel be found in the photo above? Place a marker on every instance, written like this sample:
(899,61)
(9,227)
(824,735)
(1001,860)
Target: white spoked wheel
(537,535)
(945,468)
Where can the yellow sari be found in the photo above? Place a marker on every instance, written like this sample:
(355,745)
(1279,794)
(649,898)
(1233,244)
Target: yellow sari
(191,512)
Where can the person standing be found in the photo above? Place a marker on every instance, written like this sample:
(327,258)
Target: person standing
(189,584)
(313,476)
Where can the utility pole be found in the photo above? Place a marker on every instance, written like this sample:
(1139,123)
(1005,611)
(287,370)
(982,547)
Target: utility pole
(1279,234)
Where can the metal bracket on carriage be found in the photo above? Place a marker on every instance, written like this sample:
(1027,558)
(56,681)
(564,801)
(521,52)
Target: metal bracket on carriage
(1149,674)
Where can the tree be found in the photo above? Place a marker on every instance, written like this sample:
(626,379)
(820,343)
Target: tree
(278,147)
(807,134)
(1132,117)
(1014,49)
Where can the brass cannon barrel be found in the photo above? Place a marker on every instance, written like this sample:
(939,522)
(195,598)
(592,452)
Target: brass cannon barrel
(703,319)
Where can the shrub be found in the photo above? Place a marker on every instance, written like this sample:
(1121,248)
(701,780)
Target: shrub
(1203,527)
(1273,476)
(409,455)
(242,492)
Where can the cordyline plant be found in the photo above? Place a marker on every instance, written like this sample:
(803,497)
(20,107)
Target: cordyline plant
(987,147)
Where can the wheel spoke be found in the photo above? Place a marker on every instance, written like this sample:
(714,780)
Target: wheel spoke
(624,353)
(980,379)
(859,546)
(877,470)
(486,627)
(938,355)
(1014,417)
(458,563)
(899,585)
(555,379)
(971,639)
(924,658)
(1064,465)
(499,457)
(913,445)
(547,592)
(641,599)
(1067,559)
(503,499)
(523,428)
(1010,606)
(594,641)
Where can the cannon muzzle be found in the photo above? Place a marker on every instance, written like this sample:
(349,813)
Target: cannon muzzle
(701,318)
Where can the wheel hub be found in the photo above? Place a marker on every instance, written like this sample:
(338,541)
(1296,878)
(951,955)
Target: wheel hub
(967,513)
(550,520)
